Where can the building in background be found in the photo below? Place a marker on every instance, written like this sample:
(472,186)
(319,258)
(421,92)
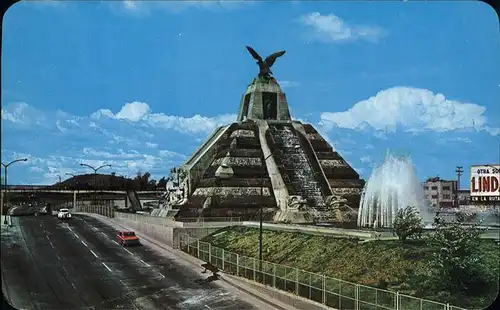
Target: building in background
(464,197)
(441,193)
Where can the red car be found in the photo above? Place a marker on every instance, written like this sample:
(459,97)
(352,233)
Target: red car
(126,238)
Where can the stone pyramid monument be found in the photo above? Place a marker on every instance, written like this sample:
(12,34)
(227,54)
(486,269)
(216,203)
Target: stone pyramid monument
(266,159)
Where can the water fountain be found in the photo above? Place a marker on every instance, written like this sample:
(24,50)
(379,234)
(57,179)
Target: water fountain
(392,186)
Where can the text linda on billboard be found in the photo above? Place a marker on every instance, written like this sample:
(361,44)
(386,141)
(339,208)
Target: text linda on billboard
(485,180)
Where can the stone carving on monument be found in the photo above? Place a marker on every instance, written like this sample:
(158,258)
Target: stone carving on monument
(296,203)
(176,188)
(338,209)
(266,159)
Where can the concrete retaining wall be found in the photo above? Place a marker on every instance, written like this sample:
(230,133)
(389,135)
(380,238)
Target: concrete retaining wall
(161,233)
(163,229)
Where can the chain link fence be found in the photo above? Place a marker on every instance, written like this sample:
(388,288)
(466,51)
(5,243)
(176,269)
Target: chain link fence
(332,292)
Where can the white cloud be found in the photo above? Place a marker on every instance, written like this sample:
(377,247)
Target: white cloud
(194,124)
(140,112)
(365,159)
(48,3)
(131,140)
(288,84)
(331,28)
(21,113)
(411,109)
(145,7)
(447,141)
(133,111)
(130,5)
(151,145)
(46,169)
(170,154)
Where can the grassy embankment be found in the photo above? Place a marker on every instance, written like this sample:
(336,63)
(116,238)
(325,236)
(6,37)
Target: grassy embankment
(387,265)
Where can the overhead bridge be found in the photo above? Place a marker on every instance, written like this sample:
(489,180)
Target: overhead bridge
(41,189)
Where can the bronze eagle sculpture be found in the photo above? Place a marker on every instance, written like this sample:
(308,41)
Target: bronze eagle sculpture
(265,66)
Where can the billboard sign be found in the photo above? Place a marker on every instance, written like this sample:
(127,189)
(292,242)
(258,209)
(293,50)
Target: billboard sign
(485,183)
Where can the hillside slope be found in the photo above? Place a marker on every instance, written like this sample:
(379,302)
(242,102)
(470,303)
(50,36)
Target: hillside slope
(384,264)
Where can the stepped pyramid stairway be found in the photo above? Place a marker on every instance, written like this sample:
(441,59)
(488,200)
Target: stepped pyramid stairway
(298,174)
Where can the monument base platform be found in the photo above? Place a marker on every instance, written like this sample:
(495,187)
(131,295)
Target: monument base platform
(293,216)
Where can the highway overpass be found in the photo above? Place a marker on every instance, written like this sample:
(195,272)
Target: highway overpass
(49,189)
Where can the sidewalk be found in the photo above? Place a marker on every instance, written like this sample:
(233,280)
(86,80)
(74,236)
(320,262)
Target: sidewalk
(230,283)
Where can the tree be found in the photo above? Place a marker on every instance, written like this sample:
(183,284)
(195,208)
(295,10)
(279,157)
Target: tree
(162,183)
(458,257)
(408,223)
(152,184)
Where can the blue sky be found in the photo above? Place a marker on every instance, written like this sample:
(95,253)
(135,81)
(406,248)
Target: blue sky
(140,85)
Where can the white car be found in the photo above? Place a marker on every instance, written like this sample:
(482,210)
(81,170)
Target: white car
(63,214)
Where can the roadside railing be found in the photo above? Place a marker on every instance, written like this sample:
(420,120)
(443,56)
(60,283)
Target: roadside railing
(169,221)
(97,209)
(329,291)
(210,219)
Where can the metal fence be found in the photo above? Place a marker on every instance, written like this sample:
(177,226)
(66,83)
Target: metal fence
(332,292)
(99,209)
(210,219)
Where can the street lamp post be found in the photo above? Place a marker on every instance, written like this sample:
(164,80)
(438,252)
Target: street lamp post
(261,211)
(4,200)
(95,176)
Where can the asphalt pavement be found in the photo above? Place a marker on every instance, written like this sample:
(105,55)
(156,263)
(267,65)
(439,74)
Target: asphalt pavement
(50,264)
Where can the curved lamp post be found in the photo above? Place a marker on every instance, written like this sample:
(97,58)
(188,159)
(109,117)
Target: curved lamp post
(5,166)
(95,175)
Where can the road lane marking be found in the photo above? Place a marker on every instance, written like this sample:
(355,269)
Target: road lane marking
(206,306)
(106,266)
(58,257)
(104,234)
(93,253)
(76,235)
(161,274)
(70,229)
(83,243)
(145,263)
(52,245)
(73,286)
(47,237)
(128,251)
(65,271)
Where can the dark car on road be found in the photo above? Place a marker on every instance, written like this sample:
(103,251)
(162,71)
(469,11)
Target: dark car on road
(28,210)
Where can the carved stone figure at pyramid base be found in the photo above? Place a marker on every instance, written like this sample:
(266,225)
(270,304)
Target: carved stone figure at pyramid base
(266,159)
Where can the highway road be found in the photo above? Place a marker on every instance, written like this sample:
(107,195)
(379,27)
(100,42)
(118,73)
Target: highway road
(50,264)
